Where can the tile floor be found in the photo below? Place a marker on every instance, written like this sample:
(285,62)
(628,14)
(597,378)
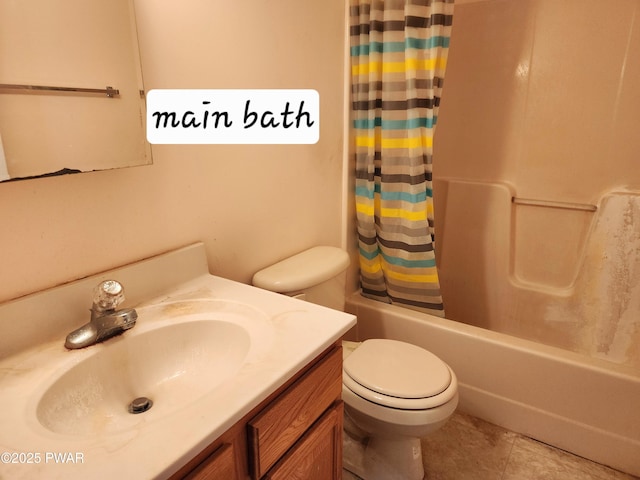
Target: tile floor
(467,448)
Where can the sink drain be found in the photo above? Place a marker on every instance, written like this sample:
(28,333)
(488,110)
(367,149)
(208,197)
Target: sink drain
(140,405)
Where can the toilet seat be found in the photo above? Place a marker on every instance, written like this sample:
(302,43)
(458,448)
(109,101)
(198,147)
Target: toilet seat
(398,375)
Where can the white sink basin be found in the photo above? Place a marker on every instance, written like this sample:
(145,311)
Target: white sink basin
(177,353)
(173,366)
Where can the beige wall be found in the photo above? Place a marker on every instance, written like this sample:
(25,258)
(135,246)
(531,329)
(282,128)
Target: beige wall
(541,101)
(251,205)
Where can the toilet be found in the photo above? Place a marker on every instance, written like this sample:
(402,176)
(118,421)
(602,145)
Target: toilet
(394,392)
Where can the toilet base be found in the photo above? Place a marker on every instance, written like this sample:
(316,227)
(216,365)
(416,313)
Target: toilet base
(353,454)
(394,458)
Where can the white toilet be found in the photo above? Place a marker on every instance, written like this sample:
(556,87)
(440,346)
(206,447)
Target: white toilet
(394,392)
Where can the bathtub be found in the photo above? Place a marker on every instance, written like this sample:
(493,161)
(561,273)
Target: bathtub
(584,405)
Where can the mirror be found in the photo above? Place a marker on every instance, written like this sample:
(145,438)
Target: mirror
(71,93)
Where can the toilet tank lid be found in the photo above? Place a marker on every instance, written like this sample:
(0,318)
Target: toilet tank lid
(304,270)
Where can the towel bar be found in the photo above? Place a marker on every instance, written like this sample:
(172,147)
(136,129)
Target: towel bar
(551,204)
(108,91)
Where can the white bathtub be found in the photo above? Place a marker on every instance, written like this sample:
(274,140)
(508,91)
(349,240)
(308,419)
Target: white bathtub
(587,406)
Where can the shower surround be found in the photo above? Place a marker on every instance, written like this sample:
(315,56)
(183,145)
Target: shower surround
(591,302)
(551,115)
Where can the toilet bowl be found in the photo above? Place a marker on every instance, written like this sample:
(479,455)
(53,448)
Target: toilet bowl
(394,392)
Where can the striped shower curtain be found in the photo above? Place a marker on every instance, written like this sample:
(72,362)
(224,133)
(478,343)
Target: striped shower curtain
(398,57)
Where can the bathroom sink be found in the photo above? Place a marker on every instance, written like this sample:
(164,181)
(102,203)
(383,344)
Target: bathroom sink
(205,351)
(173,364)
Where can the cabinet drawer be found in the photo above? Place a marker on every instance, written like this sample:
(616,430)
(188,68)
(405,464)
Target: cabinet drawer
(274,430)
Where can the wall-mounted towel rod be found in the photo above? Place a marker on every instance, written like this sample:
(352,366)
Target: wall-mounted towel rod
(108,91)
(548,203)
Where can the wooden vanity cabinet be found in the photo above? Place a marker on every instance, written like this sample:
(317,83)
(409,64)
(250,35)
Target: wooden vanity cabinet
(296,433)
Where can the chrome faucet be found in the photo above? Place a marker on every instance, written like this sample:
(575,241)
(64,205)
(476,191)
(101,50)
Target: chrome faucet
(106,321)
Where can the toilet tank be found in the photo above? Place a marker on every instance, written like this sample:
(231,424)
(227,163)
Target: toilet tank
(317,275)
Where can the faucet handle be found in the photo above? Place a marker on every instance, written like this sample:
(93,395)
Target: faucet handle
(108,295)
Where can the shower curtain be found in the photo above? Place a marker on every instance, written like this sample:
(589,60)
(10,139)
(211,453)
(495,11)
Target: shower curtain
(398,58)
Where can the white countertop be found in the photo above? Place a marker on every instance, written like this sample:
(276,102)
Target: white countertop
(155,446)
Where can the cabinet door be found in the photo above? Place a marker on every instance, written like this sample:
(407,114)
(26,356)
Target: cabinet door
(317,455)
(280,425)
(221,465)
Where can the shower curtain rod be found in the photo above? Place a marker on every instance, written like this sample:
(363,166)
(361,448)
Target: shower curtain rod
(551,204)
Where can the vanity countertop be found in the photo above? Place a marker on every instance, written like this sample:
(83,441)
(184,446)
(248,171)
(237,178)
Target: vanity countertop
(289,333)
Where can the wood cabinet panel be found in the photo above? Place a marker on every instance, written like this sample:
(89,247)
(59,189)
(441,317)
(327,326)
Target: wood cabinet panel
(221,464)
(317,455)
(273,431)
